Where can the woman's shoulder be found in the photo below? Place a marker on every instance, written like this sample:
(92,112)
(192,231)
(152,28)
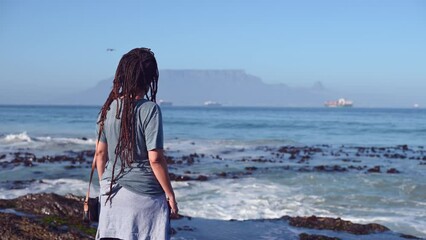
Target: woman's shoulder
(146,105)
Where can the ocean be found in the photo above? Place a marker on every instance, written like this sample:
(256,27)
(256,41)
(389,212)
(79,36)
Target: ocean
(360,164)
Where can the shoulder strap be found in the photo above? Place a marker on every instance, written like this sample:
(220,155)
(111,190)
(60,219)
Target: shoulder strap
(90,181)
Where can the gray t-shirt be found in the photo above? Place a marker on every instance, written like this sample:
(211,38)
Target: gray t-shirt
(139,177)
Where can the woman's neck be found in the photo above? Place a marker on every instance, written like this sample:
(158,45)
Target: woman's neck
(138,96)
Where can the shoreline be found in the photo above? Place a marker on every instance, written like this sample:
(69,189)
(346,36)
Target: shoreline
(47,216)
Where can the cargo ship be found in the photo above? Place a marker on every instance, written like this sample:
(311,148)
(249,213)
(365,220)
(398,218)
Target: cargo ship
(341,102)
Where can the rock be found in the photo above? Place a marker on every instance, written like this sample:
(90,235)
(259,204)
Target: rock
(335,224)
(392,170)
(305,236)
(403,147)
(47,204)
(375,169)
(179,178)
(186,228)
(408,236)
(251,168)
(44,216)
(202,178)
(334,168)
(19,227)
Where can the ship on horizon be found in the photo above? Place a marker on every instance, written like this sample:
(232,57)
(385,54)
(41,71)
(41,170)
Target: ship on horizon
(212,104)
(341,102)
(163,103)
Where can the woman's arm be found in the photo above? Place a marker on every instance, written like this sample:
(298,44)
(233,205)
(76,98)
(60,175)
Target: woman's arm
(159,167)
(101,156)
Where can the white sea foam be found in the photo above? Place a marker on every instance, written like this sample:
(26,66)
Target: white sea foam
(45,144)
(14,138)
(88,141)
(24,137)
(242,199)
(259,198)
(59,186)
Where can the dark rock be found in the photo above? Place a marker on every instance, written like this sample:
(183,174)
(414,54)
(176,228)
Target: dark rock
(408,236)
(169,160)
(357,167)
(404,147)
(334,168)
(392,170)
(304,169)
(19,227)
(261,160)
(179,178)
(305,236)
(335,224)
(186,228)
(202,178)
(375,169)
(251,168)
(48,204)
(70,167)
(44,216)
(28,163)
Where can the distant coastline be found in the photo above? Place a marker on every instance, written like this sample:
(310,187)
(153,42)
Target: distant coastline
(222,106)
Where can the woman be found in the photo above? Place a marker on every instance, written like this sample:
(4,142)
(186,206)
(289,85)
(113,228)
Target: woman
(133,175)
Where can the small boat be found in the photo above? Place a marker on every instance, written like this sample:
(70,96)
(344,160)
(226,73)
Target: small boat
(341,102)
(212,104)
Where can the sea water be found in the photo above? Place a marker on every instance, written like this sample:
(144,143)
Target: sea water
(227,135)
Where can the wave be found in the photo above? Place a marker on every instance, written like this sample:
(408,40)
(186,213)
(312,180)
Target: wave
(88,141)
(20,137)
(23,137)
(59,186)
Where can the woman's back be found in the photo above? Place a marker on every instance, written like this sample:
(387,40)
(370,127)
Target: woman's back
(139,177)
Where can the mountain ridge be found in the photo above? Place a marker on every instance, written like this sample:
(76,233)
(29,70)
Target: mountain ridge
(230,87)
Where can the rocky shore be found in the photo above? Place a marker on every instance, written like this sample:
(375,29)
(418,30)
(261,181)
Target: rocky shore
(52,216)
(288,158)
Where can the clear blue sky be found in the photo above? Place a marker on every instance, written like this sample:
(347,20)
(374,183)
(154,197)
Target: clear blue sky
(53,47)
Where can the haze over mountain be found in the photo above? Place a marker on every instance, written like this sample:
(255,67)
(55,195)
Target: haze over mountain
(228,87)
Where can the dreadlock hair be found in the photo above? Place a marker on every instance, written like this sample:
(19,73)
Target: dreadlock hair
(136,72)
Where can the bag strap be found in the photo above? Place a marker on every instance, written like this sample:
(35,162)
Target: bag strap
(86,200)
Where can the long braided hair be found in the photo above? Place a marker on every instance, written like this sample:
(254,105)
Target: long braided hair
(137,72)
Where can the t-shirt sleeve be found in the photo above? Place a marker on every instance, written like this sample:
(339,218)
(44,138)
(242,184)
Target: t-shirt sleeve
(154,130)
(103,137)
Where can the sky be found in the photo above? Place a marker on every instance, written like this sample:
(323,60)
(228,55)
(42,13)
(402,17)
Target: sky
(359,48)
